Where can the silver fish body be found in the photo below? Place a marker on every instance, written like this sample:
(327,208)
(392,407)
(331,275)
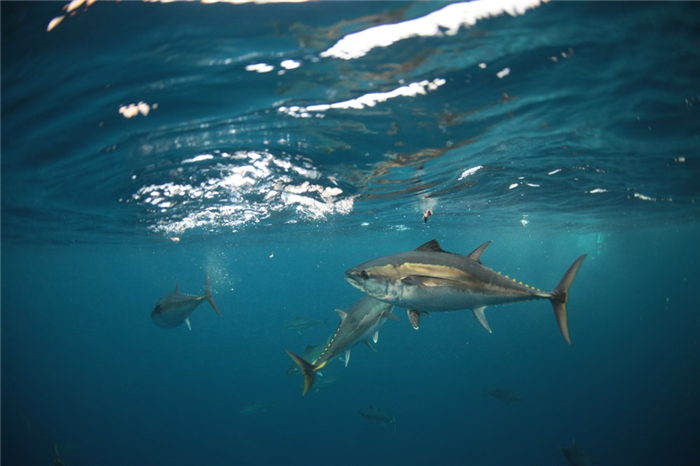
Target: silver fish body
(358,324)
(175,307)
(430,279)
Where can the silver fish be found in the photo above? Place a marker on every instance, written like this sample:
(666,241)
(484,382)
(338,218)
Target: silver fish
(175,307)
(360,323)
(431,279)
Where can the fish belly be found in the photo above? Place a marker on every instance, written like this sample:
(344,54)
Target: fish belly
(174,316)
(436,299)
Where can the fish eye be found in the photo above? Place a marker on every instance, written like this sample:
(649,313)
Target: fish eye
(364,275)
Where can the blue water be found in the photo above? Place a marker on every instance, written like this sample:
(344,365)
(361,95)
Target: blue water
(587,144)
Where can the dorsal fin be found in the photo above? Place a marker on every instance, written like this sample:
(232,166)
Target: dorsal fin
(431,246)
(342,314)
(476,253)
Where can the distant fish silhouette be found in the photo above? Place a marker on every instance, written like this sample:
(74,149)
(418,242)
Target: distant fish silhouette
(505,396)
(302,323)
(325,382)
(175,308)
(57,461)
(576,455)
(375,415)
(256,408)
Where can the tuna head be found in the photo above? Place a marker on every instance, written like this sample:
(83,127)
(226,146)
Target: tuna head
(378,280)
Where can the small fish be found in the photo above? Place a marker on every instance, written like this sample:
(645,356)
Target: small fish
(505,396)
(175,308)
(302,323)
(256,408)
(432,279)
(426,215)
(359,324)
(375,415)
(576,455)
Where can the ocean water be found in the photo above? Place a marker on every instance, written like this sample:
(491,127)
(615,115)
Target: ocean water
(274,146)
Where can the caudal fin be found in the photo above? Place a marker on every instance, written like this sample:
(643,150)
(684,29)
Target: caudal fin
(560,296)
(308,369)
(209,297)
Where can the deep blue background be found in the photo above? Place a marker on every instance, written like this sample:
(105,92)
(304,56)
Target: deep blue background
(83,263)
(83,362)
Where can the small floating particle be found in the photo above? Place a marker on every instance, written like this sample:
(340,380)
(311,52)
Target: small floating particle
(260,68)
(482,65)
(503,73)
(426,215)
(290,64)
(131,110)
(75,4)
(174,239)
(272,254)
(54,22)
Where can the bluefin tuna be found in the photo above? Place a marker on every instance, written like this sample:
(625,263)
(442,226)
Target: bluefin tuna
(430,279)
(359,324)
(175,307)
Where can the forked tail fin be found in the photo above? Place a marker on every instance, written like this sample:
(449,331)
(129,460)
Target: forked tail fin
(308,369)
(209,297)
(560,296)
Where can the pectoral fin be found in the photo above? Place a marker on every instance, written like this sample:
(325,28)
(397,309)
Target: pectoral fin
(346,358)
(187,321)
(414,318)
(481,317)
(369,345)
(375,337)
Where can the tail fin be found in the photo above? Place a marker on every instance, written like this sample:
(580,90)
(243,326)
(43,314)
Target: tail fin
(308,369)
(209,297)
(560,296)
